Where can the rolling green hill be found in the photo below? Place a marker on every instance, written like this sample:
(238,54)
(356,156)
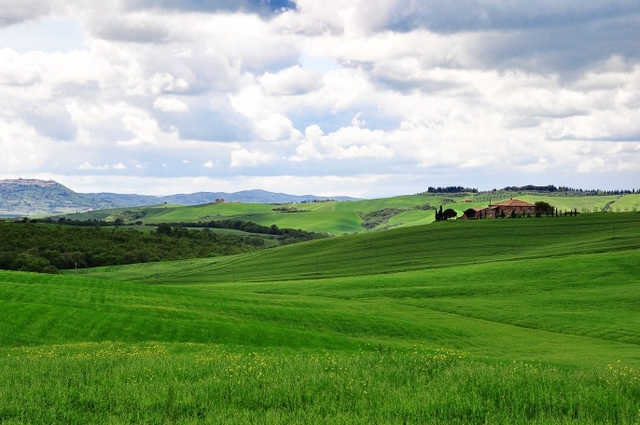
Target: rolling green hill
(528,320)
(23,197)
(418,248)
(340,218)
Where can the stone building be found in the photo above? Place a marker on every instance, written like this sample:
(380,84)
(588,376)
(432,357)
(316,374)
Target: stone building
(507,207)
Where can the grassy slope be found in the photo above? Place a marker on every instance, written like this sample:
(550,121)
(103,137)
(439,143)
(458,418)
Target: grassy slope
(513,289)
(342,217)
(416,248)
(578,203)
(627,201)
(571,310)
(283,344)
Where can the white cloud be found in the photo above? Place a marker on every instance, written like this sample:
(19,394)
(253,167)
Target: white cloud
(119,166)
(167,104)
(290,81)
(245,158)
(22,148)
(209,164)
(346,143)
(87,166)
(269,123)
(13,12)
(381,87)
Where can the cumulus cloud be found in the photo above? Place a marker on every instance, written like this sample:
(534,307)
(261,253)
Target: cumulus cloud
(340,144)
(87,166)
(12,12)
(22,147)
(477,15)
(267,121)
(290,81)
(167,104)
(479,90)
(265,8)
(246,158)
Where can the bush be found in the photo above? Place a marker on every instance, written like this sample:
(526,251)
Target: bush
(543,208)
(449,213)
(50,269)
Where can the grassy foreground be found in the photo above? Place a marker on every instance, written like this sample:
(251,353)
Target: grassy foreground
(502,321)
(156,383)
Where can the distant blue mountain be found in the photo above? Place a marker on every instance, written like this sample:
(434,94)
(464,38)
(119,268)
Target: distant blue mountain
(248,196)
(28,197)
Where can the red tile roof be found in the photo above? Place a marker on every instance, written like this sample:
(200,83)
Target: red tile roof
(513,203)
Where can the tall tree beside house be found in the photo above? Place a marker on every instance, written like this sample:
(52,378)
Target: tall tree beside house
(439,214)
(544,208)
(449,213)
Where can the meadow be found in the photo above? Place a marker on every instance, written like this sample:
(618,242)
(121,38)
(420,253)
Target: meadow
(341,218)
(528,320)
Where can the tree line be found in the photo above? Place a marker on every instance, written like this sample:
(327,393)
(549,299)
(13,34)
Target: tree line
(451,189)
(46,248)
(533,188)
(284,235)
(552,189)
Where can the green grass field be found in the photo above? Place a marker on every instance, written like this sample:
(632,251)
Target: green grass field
(626,203)
(528,320)
(339,218)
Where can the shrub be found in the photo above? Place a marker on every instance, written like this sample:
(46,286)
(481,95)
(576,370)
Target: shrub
(449,213)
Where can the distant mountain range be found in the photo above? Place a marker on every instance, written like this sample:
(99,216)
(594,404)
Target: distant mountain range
(23,197)
(34,197)
(248,196)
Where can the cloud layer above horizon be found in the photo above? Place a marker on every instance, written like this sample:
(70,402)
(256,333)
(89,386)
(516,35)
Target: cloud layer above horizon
(350,97)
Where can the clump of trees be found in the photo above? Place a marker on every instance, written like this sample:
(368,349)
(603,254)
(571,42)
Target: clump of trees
(288,210)
(48,248)
(533,188)
(373,219)
(284,235)
(543,208)
(446,214)
(451,189)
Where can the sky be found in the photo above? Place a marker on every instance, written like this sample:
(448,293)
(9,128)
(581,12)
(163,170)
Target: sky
(363,98)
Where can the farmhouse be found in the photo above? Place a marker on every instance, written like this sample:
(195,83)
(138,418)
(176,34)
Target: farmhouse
(504,208)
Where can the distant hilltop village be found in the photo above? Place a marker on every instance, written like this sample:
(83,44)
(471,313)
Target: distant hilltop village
(23,183)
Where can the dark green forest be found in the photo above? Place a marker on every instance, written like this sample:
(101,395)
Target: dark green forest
(285,235)
(49,248)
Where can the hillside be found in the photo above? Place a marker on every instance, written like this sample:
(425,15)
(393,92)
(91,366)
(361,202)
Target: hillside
(528,320)
(246,196)
(339,218)
(24,197)
(29,197)
(443,244)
